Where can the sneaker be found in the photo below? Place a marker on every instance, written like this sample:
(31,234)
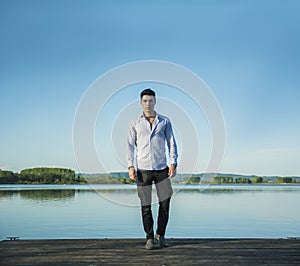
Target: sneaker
(149,244)
(161,240)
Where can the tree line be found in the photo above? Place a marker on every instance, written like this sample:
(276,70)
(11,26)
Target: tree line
(45,175)
(41,175)
(237,180)
(243,180)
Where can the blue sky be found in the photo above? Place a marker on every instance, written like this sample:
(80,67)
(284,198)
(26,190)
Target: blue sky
(246,51)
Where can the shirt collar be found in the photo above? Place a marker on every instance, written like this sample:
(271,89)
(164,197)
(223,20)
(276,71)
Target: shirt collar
(143,115)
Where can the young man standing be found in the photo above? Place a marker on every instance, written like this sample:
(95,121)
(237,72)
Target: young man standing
(147,137)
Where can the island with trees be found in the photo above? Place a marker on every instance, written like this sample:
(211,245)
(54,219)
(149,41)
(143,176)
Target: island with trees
(41,175)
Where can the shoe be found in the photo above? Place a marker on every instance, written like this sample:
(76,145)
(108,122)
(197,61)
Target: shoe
(161,240)
(149,244)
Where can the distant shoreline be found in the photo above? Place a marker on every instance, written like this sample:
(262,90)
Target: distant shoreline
(55,176)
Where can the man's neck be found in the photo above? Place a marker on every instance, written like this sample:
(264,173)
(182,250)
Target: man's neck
(150,114)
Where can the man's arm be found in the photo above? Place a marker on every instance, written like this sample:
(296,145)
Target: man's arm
(172,147)
(131,143)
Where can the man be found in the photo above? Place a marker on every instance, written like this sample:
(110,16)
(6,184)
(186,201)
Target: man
(147,137)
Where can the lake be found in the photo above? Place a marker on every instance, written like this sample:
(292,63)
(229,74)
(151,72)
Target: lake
(112,211)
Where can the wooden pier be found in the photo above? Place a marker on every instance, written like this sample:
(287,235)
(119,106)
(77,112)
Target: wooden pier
(131,252)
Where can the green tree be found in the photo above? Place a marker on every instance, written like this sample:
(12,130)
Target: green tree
(8,177)
(221,180)
(194,180)
(284,180)
(44,175)
(191,179)
(257,179)
(126,180)
(242,180)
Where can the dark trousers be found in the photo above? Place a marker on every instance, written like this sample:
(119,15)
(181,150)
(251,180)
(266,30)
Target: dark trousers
(145,178)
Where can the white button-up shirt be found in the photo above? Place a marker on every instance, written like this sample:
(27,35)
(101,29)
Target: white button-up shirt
(146,146)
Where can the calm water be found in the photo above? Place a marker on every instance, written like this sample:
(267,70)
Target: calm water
(112,211)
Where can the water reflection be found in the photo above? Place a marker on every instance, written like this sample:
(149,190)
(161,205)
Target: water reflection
(4,194)
(45,195)
(229,189)
(39,195)
(54,193)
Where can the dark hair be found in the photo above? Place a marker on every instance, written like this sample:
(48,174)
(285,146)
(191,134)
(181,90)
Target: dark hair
(147,92)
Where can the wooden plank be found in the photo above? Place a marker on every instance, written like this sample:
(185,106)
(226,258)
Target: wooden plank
(132,252)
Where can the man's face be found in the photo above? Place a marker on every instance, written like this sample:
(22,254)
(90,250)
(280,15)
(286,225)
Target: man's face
(148,102)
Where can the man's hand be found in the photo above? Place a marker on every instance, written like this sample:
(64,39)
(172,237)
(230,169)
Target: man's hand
(131,172)
(172,171)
